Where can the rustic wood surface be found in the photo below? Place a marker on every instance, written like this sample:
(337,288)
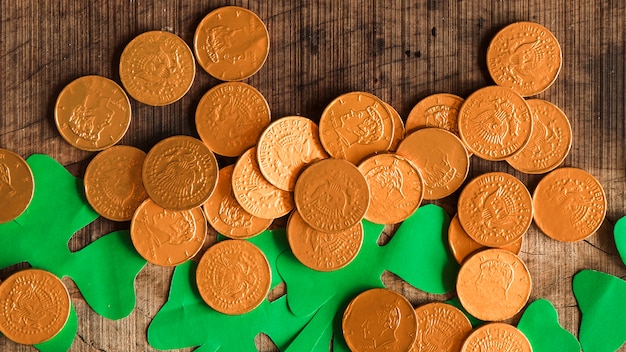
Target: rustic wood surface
(401,51)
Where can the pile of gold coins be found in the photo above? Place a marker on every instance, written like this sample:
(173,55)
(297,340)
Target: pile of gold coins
(357,164)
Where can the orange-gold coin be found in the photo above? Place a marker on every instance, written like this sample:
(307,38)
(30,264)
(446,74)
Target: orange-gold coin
(496,337)
(230,117)
(167,237)
(355,125)
(157,68)
(231,43)
(92,113)
(286,147)
(379,320)
(441,158)
(525,57)
(226,215)
(495,209)
(332,195)
(16,185)
(462,245)
(570,204)
(439,110)
(398,128)
(493,284)
(323,251)
(396,188)
(549,142)
(113,183)
(233,277)
(495,123)
(254,193)
(35,306)
(440,327)
(180,173)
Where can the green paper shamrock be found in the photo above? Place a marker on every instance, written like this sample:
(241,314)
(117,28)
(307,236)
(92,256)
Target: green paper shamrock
(540,324)
(417,253)
(619,234)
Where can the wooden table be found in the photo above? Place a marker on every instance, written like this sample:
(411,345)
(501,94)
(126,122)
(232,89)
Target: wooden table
(400,51)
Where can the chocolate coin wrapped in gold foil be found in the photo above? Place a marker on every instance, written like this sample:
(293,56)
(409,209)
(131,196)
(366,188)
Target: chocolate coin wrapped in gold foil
(496,337)
(16,185)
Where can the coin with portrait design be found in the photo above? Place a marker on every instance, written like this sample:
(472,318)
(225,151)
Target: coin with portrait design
(17,185)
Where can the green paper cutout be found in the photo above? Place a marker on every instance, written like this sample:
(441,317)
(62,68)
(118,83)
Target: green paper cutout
(186,320)
(104,271)
(540,324)
(601,300)
(64,339)
(418,253)
(619,234)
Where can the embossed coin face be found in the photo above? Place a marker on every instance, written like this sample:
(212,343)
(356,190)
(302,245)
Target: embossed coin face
(180,173)
(92,113)
(233,277)
(440,327)
(157,68)
(231,43)
(525,57)
(254,193)
(238,111)
(332,195)
(379,320)
(226,215)
(355,125)
(323,251)
(167,237)
(439,110)
(496,337)
(493,284)
(396,188)
(549,142)
(441,158)
(16,185)
(495,209)
(570,204)
(285,147)
(35,306)
(462,245)
(398,128)
(495,123)
(113,183)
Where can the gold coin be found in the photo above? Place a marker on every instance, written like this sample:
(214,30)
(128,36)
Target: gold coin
(495,209)
(332,195)
(226,215)
(167,237)
(493,284)
(496,337)
(286,147)
(113,183)
(396,188)
(231,43)
(525,57)
(35,306)
(323,251)
(92,113)
(16,185)
(441,158)
(441,328)
(254,193)
(439,110)
(398,128)
(157,68)
(495,123)
(230,117)
(462,245)
(549,142)
(379,320)
(570,204)
(180,173)
(233,277)
(355,125)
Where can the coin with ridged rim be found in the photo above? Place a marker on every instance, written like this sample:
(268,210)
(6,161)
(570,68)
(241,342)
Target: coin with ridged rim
(35,306)
(398,128)
(441,327)
(92,113)
(496,337)
(439,110)
(16,185)
(233,277)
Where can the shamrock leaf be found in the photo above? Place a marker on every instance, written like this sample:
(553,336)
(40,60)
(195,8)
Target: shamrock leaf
(619,234)
(541,326)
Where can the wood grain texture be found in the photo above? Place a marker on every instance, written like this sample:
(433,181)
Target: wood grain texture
(399,50)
